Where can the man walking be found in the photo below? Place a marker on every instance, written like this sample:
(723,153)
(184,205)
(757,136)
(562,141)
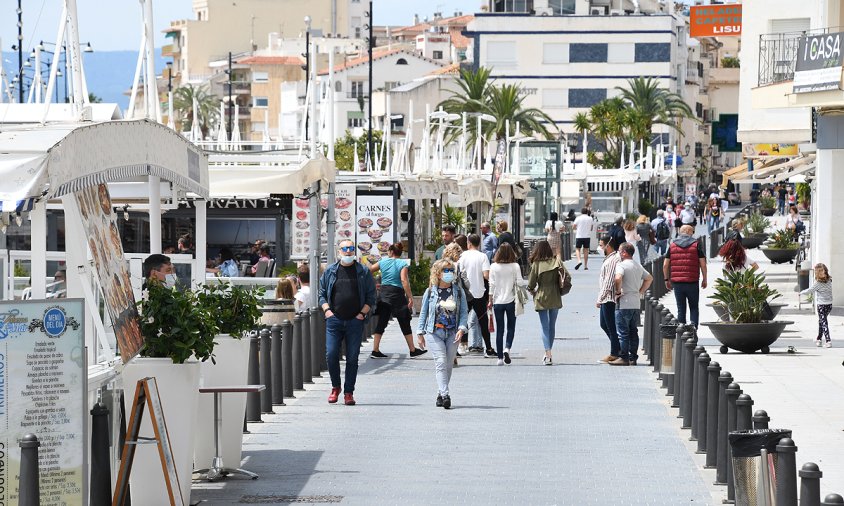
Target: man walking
(346,296)
(583,227)
(662,232)
(476,266)
(448,233)
(607,296)
(685,265)
(490,242)
(631,281)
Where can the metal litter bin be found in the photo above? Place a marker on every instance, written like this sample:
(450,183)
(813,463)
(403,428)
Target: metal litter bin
(754,454)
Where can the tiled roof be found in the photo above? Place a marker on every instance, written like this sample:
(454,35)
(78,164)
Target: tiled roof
(421,27)
(454,68)
(377,54)
(271,60)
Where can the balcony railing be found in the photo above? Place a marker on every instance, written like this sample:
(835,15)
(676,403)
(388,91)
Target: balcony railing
(777,56)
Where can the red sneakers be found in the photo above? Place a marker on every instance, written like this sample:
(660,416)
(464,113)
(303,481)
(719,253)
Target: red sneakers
(332,397)
(349,399)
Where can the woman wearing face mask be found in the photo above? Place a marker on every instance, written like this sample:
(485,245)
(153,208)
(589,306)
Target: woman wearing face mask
(442,322)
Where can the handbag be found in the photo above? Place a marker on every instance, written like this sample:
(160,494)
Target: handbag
(565,280)
(521,297)
(651,236)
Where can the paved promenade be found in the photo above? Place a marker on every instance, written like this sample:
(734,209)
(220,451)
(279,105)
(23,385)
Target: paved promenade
(576,433)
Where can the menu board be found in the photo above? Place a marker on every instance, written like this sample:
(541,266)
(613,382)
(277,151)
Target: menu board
(375,220)
(300,234)
(344,199)
(43,392)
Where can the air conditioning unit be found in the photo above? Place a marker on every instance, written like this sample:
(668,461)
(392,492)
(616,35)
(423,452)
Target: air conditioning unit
(544,11)
(600,10)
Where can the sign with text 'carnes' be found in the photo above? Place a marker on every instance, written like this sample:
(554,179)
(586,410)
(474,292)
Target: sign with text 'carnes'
(819,62)
(715,20)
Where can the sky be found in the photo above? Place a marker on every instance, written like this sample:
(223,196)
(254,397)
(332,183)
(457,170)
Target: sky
(111,25)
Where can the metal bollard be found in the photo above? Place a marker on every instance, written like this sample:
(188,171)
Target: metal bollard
(253,400)
(646,329)
(30,491)
(688,382)
(832,500)
(744,410)
(702,387)
(711,431)
(723,452)
(666,356)
(733,392)
(266,375)
(679,353)
(297,353)
(786,471)
(810,484)
(656,344)
(323,363)
(276,364)
(100,456)
(316,314)
(305,349)
(287,357)
(694,379)
(761,420)
(650,307)
(654,334)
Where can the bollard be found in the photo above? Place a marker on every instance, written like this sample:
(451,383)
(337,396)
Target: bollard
(305,349)
(654,335)
(832,500)
(275,363)
(266,374)
(30,492)
(650,307)
(287,357)
(316,314)
(810,484)
(733,392)
(666,353)
(694,378)
(656,344)
(646,330)
(786,474)
(688,382)
(744,408)
(723,452)
(297,353)
(711,431)
(679,354)
(701,389)
(761,420)
(100,456)
(253,400)
(323,365)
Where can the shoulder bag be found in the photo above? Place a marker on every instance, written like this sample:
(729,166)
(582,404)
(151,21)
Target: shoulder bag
(565,280)
(521,295)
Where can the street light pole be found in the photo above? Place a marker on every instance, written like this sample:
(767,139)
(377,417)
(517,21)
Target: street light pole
(20,52)
(370,44)
(231,105)
(307,68)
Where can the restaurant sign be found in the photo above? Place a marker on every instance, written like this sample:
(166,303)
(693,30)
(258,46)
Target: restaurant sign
(715,20)
(819,62)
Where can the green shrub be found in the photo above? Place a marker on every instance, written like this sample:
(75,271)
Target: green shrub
(744,294)
(420,275)
(645,207)
(768,202)
(757,223)
(783,239)
(236,309)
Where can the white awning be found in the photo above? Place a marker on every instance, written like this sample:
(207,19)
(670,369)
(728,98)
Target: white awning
(260,181)
(780,171)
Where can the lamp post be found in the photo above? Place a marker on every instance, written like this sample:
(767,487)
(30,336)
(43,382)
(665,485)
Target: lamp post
(307,55)
(370,43)
(19,11)
(170,122)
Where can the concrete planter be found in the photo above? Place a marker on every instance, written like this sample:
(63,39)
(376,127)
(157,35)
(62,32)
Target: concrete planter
(780,256)
(724,315)
(747,337)
(751,241)
(767,211)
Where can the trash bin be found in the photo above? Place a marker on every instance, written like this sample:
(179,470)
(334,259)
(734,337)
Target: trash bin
(668,333)
(754,477)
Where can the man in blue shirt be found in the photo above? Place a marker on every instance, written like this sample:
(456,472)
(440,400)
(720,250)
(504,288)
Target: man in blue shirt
(490,242)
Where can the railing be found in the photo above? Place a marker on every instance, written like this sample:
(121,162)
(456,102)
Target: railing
(356,94)
(777,57)
(692,75)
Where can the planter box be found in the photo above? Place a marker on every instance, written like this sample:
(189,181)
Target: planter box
(232,357)
(178,386)
(751,241)
(780,256)
(747,337)
(767,211)
(724,315)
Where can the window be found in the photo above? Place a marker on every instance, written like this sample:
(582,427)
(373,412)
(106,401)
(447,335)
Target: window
(653,52)
(260,102)
(512,5)
(587,53)
(438,55)
(501,53)
(586,97)
(356,88)
(338,86)
(560,7)
(621,53)
(554,98)
(258,126)
(355,120)
(260,77)
(401,61)
(555,52)
(389,85)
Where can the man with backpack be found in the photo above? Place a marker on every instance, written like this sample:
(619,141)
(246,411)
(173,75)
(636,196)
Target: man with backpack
(662,232)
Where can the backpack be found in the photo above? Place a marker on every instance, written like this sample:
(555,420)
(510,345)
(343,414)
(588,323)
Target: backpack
(799,227)
(464,284)
(663,231)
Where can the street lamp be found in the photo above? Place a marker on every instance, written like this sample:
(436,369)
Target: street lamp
(687,149)
(307,56)
(88,48)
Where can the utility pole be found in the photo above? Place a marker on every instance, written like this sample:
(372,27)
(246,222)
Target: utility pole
(370,44)
(20,52)
(307,55)
(231,104)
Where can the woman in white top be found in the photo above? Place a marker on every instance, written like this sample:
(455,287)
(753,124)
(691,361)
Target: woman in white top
(822,290)
(553,227)
(632,236)
(504,278)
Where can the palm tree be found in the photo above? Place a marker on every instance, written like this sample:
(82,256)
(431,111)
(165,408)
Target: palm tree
(505,103)
(94,99)
(474,88)
(654,106)
(207,107)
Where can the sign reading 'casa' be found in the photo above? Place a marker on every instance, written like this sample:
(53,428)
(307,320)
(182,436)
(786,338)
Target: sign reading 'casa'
(715,20)
(819,63)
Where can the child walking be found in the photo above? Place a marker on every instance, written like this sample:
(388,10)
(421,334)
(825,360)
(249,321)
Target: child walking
(822,289)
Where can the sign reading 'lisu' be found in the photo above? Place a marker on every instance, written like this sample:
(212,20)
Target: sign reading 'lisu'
(819,63)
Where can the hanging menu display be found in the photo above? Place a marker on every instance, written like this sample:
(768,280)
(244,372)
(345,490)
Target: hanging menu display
(344,201)
(375,225)
(43,392)
(300,234)
(344,198)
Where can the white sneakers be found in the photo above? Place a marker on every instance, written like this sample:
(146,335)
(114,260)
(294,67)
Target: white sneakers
(500,362)
(829,344)
(818,343)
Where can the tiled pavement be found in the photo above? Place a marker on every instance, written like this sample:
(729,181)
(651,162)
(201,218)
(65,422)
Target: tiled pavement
(576,433)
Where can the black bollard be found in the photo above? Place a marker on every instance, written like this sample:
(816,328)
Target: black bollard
(30,491)
(323,332)
(733,392)
(786,471)
(761,420)
(688,382)
(646,329)
(679,354)
(654,335)
(724,379)
(276,365)
(297,353)
(650,307)
(714,371)
(253,400)
(810,484)
(701,399)
(266,375)
(832,500)
(100,456)
(305,349)
(694,378)
(287,358)
(744,410)
(316,314)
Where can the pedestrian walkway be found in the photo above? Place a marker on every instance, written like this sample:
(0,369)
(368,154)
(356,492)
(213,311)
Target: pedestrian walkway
(801,391)
(576,433)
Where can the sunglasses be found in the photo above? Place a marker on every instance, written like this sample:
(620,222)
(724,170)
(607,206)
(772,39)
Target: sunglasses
(346,249)
(448,270)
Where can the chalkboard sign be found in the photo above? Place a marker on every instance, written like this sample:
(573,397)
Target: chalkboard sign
(146,396)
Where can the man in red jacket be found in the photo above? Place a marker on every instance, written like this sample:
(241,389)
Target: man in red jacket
(684,267)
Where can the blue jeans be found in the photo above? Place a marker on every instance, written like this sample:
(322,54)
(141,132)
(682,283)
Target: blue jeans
(781,206)
(444,349)
(714,222)
(548,322)
(336,331)
(687,292)
(661,247)
(607,316)
(627,326)
(475,335)
(500,311)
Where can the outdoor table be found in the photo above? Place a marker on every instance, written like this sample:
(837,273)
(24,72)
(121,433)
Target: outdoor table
(218,470)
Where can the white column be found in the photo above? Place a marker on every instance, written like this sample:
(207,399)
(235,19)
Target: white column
(75,58)
(828,243)
(76,258)
(200,242)
(153,108)
(37,81)
(154,214)
(38,268)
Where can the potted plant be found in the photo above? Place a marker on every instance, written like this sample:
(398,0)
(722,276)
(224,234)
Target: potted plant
(768,205)
(236,310)
(420,277)
(755,227)
(804,196)
(781,247)
(178,333)
(744,294)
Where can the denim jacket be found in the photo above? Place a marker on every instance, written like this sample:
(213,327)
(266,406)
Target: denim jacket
(366,285)
(428,312)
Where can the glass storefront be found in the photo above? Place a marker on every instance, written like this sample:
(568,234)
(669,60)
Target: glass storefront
(541,162)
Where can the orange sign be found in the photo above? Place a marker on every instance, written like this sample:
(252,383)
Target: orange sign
(715,20)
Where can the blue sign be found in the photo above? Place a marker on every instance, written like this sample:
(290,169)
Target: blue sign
(54,322)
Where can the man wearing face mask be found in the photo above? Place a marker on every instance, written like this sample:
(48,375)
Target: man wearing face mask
(346,296)
(158,266)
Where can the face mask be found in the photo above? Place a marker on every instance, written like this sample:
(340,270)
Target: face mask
(448,277)
(170,280)
(347,259)
(602,251)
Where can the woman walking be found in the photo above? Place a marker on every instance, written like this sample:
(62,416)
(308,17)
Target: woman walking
(822,289)
(442,322)
(553,227)
(735,257)
(505,276)
(631,235)
(646,237)
(546,269)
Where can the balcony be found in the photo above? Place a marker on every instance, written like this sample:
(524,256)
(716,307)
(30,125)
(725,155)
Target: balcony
(692,75)
(356,94)
(777,57)
(170,50)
